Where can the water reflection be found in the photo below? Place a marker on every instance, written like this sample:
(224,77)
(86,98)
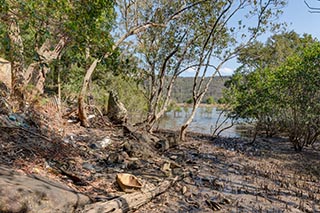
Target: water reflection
(204,121)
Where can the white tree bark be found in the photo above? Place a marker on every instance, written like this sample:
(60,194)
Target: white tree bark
(17,60)
(37,71)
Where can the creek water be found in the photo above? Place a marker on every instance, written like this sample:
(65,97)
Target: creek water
(206,120)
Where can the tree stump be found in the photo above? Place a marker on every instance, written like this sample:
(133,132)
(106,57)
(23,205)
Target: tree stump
(117,113)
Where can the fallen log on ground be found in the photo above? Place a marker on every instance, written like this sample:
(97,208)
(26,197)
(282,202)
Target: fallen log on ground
(129,201)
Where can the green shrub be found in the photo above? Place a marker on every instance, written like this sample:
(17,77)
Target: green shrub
(210,100)
(189,101)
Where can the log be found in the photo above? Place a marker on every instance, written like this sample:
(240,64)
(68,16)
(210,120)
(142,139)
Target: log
(131,201)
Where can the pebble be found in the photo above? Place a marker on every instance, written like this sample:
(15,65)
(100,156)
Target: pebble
(173,157)
(184,189)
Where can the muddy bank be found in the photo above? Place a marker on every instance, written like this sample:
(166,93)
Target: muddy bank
(228,175)
(223,174)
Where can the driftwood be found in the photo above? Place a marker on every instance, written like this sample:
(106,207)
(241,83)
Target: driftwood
(129,201)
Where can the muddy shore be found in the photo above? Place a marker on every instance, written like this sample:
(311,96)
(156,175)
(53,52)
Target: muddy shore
(224,174)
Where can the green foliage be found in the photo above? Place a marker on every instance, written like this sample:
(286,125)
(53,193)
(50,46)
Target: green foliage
(183,88)
(4,42)
(71,82)
(297,84)
(189,101)
(85,24)
(222,100)
(171,106)
(249,97)
(274,52)
(210,100)
(130,93)
(283,97)
(193,37)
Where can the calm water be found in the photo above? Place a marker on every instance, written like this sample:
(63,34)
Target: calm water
(204,121)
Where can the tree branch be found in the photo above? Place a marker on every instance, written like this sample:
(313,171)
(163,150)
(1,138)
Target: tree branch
(312,9)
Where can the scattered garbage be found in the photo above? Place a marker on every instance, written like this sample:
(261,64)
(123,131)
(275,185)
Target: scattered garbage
(69,139)
(14,120)
(128,182)
(104,142)
(166,168)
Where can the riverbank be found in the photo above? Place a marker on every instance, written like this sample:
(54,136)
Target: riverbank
(229,175)
(215,105)
(207,119)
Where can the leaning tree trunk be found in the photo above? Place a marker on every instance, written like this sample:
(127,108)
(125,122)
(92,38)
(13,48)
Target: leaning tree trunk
(156,116)
(17,60)
(81,103)
(37,71)
(183,129)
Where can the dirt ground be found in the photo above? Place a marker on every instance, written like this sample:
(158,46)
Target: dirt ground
(221,174)
(226,174)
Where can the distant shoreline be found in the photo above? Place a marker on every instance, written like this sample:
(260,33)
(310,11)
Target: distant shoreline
(221,106)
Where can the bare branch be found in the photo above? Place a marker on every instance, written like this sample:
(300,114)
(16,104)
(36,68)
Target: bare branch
(173,16)
(131,32)
(312,9)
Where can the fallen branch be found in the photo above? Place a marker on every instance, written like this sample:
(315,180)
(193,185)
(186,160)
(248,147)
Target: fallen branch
(69,113)
(28,131)
(129,201)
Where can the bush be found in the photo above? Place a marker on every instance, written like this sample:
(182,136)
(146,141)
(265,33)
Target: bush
(284,98)
(296,91)
(210,100)
(189,101)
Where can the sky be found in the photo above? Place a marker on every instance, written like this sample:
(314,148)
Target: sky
(298,18)
(297,15)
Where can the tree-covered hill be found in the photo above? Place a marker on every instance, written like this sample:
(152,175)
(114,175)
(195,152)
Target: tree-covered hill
(182,90)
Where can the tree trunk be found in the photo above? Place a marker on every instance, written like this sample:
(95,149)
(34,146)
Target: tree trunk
(183,129)
(81,103)
(17,60)
(37,71)
(59,90)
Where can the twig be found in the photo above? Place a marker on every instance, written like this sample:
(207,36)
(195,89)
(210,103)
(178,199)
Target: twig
(69,113)
(28,131)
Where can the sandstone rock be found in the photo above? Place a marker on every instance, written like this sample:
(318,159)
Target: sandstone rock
(5,72)
(20,193)
(117,113)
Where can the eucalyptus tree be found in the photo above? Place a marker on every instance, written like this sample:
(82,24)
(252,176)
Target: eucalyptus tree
(221,42)
(165,52)
(134,19)
(199,36)
(273,52)
(39,32)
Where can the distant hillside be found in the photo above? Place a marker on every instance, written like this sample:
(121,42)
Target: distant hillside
(182,91)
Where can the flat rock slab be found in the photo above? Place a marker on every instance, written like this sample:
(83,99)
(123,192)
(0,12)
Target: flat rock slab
(21,193)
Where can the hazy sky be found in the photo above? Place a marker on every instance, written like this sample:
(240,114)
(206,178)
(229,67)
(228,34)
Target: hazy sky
(296,14)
